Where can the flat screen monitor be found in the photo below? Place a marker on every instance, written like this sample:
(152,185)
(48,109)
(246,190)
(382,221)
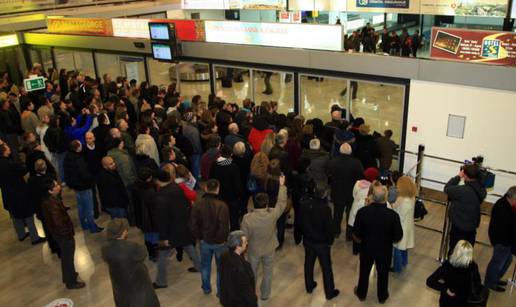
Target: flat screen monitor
(159,31)
(162,52)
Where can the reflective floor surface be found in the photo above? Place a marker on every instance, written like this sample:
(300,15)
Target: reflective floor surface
(31,275)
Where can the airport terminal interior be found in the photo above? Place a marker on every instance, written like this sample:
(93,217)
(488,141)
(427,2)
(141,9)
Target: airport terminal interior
(121,119)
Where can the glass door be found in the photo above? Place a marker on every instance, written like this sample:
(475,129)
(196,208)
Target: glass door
(275,86)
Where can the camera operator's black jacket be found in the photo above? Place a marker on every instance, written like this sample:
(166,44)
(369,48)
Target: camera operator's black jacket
(465,203)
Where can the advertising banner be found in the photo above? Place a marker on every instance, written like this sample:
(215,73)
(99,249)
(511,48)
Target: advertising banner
(491,8)
(257,4)
(308,36)
(80,26)
(317,5)
(186,30)
(384,6)
(490,47)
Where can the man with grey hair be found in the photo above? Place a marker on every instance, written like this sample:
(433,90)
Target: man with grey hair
(279,152)
(237,283)
(502,234)
(343,172)
(319,159)
(234,137)
(376,228)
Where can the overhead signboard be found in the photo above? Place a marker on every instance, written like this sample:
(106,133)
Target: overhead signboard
(80,26)
(257,4)
(8,40)
(203,4)
(317,5)
(308,36)
(497,48)
(488,8)
(384,6)
(131,27)
(34,84)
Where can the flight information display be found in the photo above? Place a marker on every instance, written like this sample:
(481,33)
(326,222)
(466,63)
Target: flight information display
(159,31)
(162,52)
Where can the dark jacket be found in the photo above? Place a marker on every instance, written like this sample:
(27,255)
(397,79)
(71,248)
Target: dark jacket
(386,149)
(343,172)
(112,191)
(223,119)
(233,138)
(237,283)
(209,220)
(244,168)
(207,160)
(366,151)
(14,189)
(140,193)
(93,159)
(228,175)
(318,165)
(316,222)
(502,226)
(55,140)
(10,122)
(101,134)
(57,219)
(282,155)
(377,227)
(457,280)
(169,210)
(34,156)
(37,190)
(465,203)
(141,161)
(77,175)
(129,275)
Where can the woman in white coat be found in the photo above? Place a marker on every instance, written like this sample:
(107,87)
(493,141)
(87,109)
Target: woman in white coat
(148,143)
(360,191)
(404,206)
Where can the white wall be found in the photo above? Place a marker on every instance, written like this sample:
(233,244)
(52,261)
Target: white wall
(490,130)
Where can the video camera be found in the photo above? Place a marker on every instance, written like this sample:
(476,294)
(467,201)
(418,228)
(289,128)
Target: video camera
(486,178)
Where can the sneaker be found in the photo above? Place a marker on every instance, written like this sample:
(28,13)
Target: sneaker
(39,240)
(77,285)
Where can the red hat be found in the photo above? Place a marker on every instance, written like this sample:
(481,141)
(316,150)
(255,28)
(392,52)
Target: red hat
(371,174)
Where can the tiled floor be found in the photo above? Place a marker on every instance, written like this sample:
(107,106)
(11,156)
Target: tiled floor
(31,276)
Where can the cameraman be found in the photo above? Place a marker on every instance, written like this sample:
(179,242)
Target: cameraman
(465,200)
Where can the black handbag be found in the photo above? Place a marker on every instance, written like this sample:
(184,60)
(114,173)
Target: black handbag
(419,210)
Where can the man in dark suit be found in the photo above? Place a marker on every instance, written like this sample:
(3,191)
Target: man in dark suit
(112,192)
(376,228)
(317,232)
(127,270)
(343,172)
(170,214)
(237,283)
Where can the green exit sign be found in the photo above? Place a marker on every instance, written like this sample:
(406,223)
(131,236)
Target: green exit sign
(34,84)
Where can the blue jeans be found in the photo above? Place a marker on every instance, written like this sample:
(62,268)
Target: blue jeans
(499,264)
(399,260)
(152,237)
(116,212)
(195,161)
(207,252)
(85,208)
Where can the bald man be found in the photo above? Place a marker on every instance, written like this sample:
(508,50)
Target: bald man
(234,137)
(112,191)
(93,155)
(343,172)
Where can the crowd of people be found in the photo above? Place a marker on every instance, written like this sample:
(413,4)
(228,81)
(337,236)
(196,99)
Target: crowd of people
(218,180)
(387,42)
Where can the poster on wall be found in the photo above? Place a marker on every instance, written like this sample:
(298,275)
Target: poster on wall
(257,4)
(384,6)
(308,36)
(488,8)
(490,47)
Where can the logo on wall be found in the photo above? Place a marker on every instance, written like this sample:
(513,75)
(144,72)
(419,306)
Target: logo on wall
(490,48)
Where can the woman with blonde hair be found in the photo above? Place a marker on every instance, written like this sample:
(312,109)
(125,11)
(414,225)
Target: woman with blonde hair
(268,143)
(456,277)
(404,206)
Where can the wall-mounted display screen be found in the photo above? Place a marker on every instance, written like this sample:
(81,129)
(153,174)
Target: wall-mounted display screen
(159,31)
(161,52)
(308,36)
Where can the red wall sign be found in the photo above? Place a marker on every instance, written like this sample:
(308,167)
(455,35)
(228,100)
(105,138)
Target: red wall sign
(496,48)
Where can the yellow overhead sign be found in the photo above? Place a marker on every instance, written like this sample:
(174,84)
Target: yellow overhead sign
(8,40)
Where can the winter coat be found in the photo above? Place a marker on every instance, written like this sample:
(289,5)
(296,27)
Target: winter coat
(124,164)
(111,188)
(237,282)
(14,189)
(502,226)
(56,217)
(209,220)
(318,167)
(404,206)
(207,160)
(360,191)
(76,173)
(140,193)
(132,286)
(386,149)
(465,203)
(228,175)
(343,172)
(256,138)
(366,151)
